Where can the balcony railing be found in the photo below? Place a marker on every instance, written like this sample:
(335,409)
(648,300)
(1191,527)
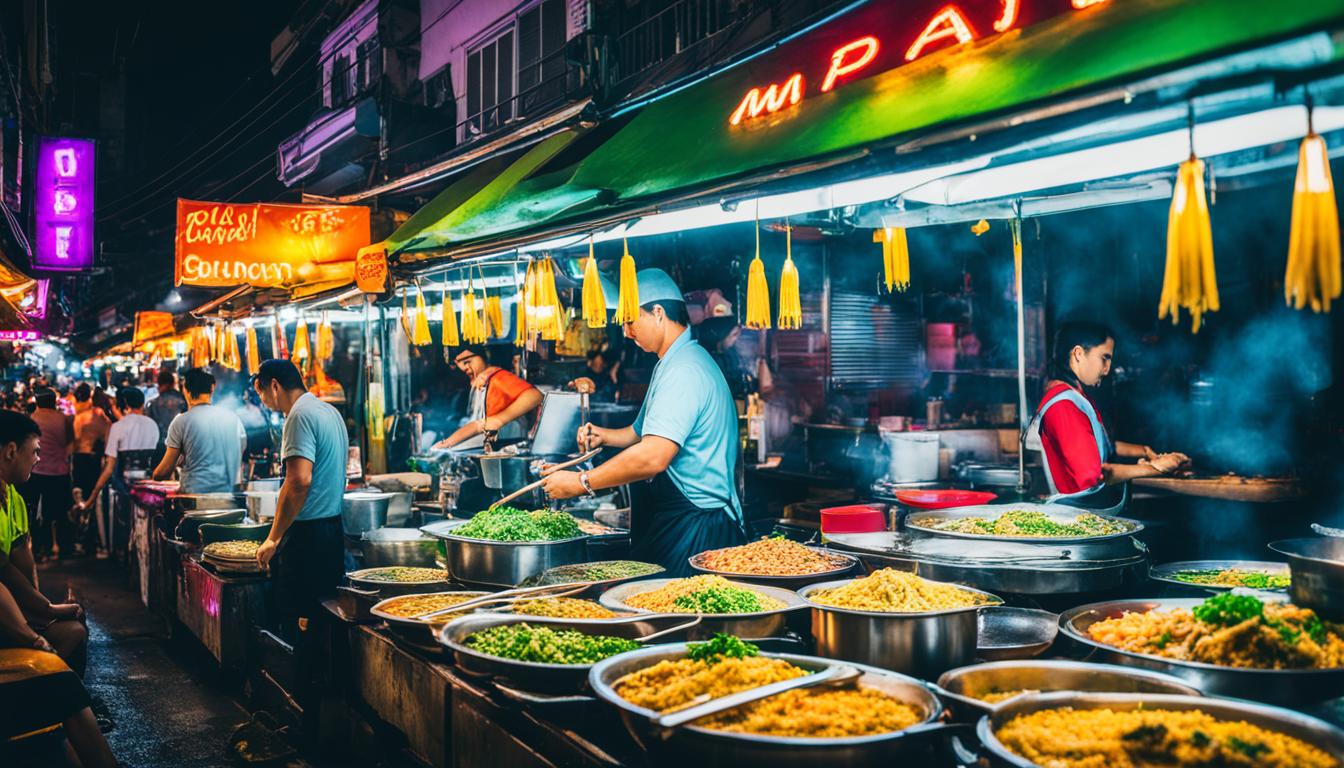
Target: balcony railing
(686,25)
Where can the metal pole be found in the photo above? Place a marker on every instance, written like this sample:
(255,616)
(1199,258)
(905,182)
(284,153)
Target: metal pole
(1016,226)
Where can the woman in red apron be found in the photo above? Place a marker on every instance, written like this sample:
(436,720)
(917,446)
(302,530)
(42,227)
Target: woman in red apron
(1075,449)
(499,399)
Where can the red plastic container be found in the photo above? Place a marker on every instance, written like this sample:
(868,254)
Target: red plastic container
(856,518)
(944,498)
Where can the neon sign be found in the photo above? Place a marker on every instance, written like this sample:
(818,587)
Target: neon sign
(856,52)
(20,336)
(64,205)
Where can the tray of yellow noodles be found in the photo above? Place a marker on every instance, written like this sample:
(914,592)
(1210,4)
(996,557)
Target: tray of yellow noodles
(884,718)
(1231,644)
(1074,729)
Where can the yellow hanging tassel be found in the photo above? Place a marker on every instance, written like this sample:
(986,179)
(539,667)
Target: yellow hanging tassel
(1189,280)
(494,315)
(548,312)
(559,317)
(231,358)
(520,320)
(302,352)
(420,321)
(278,345)
(895,257)
(473,328)
(758,291)
(790,303)
(200,347)
(405,316)
(451,338)
(627,301)
(217,344)
(1313,273)
(529,298)
(326,338)
(253,353)
(594,304)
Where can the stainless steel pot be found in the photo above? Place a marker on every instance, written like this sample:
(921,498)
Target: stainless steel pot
(1291,687)
(399,508)
(757,625)
(920,644)
(261,504)
(962,688)
(1322,735)
(1317,567)
(398,546)
(364,511)
(505,472)
(502,563)
(920,744)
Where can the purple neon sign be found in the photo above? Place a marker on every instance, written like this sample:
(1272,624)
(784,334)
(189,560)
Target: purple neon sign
(20,336)
(64,204)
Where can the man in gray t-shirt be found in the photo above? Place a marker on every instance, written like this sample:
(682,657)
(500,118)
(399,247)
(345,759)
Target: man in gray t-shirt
(207,439)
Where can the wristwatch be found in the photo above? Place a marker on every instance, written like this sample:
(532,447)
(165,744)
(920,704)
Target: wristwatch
(583,480)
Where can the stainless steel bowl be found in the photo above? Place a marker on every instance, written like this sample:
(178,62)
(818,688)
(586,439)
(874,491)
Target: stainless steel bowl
(506,472)
(750,625)
(1166,573)
(364,511)
(502,563)
(1291,687)
(1317,567)
(920,644)
(399,508)
(398,546)
(962,687)
(422,633)
(1057,512)
(1005,633)
(360,579)
(783,582)
(697,746)
(1309,729)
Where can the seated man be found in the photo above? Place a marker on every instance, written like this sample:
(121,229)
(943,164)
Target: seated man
(27,618)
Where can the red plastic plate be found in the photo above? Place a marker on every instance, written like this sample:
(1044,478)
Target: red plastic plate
(944,498)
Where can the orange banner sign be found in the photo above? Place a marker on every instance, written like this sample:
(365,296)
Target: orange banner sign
(152,325)
(371,268)
(266,245)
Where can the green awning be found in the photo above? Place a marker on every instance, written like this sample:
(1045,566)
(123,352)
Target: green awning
(684,144)
(454,212)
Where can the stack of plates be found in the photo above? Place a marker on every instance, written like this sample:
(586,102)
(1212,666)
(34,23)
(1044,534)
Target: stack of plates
(231,564)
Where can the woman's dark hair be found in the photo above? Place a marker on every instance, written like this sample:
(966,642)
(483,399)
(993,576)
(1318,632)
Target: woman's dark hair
(103,402)
(1076,333)
(675,310)
(83,392)
(479,350)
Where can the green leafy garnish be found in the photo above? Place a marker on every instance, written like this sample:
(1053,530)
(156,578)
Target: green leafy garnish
(1228,609)
(1200,738)
(1249,749)
(721,647)
(721,600)
(513,524)
(1163,640)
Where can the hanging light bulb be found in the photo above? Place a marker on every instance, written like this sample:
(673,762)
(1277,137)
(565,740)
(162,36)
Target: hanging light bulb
(758,292)
(627,301)
(594,304)
(790,303)
(1312,276)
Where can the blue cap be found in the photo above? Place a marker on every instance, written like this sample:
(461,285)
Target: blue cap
(655,285)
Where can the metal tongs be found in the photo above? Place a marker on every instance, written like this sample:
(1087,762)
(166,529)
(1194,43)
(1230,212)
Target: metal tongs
(510,596)
(533,486)
(837,675)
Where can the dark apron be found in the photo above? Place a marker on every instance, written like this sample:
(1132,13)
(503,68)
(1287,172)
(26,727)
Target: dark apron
(667,529)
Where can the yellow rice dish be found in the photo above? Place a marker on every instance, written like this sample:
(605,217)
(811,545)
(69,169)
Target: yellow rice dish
(410,606)
(1156,738)
(819,714)
(1251,634)
(994,697)
(892,591)
(671,685)
(665,598)
(565,608)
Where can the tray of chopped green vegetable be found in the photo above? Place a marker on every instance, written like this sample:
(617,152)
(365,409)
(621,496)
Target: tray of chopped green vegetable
(1222,575)
(602,574)
(504,546)
(1020,523)
(732,610)
(541,654)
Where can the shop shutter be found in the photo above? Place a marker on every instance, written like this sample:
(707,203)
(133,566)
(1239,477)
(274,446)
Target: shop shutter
(875,341)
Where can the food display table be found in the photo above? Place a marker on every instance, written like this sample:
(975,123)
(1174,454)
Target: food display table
(220,610)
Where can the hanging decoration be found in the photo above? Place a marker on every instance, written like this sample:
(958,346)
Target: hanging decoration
(895,257)
(451,338)
(1189,280)
(627,300)
(1312,277)
(594,304)
(326,338)
(494,315)
(758,291)
(200,347)
(230,358)
(473,327)
(217,344)
(520,313)
(790,303)
(302,352)
(253,353)
(420,320)
(279,346)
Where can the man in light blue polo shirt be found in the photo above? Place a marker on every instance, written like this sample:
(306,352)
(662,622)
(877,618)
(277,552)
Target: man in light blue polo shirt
(208,440)
(684,442)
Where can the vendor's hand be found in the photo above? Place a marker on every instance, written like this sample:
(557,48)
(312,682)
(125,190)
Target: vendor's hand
(583,385)
(67,611)
(562,485)
(1167,463)
(264,554)
(1148,452)
(443,445)
(84,505)
(590,436)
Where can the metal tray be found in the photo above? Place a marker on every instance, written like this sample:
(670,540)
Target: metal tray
(1167,571)
(957,686)
(1057,512)
(532,676)
(784,582)
(481,562)
(396,588)
(761,624)
(598,587)
(418,632)
(1291,687)
(1309,729)
(694,745)
(1014,633)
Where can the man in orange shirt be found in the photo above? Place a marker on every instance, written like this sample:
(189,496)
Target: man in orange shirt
(498,398)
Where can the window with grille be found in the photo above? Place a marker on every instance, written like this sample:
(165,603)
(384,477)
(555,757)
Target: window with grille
(541,55)
(490,84)
(370,65)
(875,341)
